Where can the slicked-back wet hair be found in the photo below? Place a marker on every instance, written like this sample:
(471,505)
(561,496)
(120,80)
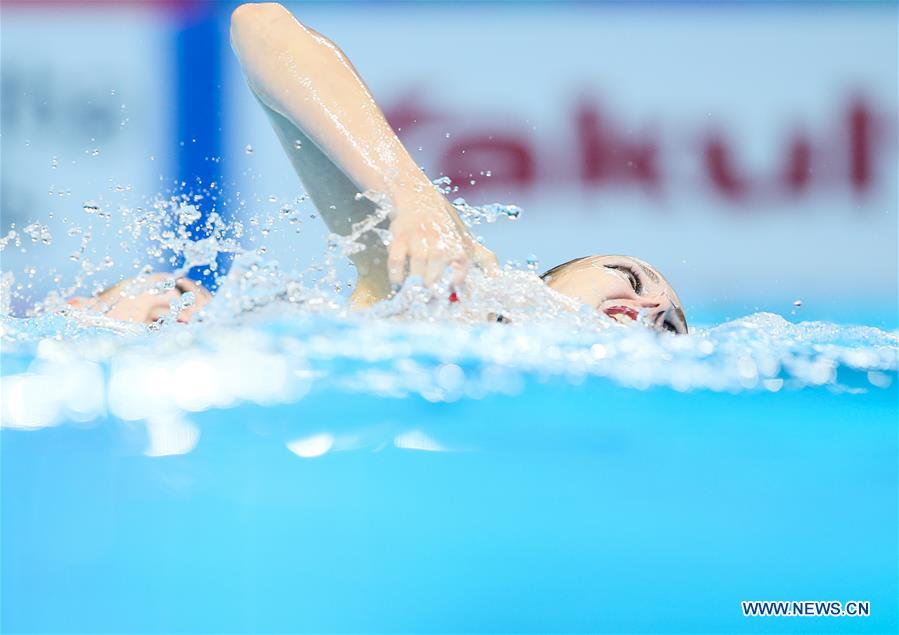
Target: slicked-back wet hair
(547,276)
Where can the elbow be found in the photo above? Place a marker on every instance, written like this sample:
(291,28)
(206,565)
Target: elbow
(251,21)
(267,21)
(253,18)
(251,12)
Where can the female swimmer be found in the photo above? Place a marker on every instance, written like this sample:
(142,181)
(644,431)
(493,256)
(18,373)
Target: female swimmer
(341,145)
(312,93)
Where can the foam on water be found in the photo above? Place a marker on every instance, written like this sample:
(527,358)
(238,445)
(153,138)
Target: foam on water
(56,369)
(271,336)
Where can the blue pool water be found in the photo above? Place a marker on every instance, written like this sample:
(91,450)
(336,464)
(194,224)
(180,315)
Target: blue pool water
(331,474)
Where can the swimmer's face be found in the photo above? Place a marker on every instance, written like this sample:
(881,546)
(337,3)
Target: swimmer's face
(146,299)
(621,287)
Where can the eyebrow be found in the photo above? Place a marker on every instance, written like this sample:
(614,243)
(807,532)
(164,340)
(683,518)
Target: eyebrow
(558,268)
(652,275)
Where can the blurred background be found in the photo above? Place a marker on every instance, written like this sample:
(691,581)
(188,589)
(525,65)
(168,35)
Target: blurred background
(747,149)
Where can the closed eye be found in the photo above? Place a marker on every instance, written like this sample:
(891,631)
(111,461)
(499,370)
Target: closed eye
(632,276)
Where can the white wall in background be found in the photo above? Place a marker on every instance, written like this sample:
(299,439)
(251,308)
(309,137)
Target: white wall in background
(87,108)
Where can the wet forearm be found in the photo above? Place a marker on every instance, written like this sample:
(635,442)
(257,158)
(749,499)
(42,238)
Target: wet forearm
(298,70)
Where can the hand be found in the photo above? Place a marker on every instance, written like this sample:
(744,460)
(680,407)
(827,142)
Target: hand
(427,239)
(145,299)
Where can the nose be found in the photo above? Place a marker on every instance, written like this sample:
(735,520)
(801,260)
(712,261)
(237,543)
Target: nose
(656,308)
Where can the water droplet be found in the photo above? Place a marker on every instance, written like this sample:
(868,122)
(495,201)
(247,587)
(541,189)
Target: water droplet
(188,299)
(248,149)
(297,144)
(200,252)
(38,232)
(797,303)
(95,152)
(188,214)
(90,207)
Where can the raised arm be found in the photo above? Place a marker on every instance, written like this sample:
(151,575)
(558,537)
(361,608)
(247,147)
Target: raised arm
(341,145)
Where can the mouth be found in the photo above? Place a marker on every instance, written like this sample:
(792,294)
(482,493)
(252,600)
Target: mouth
(625,311)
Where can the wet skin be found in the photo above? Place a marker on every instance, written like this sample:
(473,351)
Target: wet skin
(624,288)
(341,145)
(303,81)
(145,299)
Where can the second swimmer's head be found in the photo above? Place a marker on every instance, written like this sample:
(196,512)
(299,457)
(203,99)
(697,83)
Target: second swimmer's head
(623,288)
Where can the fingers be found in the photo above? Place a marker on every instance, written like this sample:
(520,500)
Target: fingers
(431,265)
(426,254)
(437,264)
(156,312)
(186,284)
(202,297)
(396,262)
(459,267)
(486,260)
(418,259)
